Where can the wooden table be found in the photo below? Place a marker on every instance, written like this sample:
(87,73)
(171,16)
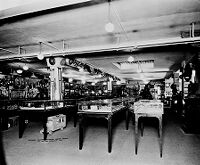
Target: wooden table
(41,113)
(83,115)
(148,113)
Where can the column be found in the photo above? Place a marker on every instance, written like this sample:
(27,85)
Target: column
(55,77)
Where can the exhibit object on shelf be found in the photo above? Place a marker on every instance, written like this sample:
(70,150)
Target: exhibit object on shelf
(55,123)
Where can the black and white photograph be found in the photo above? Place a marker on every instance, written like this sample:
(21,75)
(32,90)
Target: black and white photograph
(99,82)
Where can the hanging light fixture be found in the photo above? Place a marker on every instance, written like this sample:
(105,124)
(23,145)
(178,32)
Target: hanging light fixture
(109,27)
(33,76)
(83,81)
(118,82)
(19,71)
(25,67)
(81,69)
(40,56)
(131,59)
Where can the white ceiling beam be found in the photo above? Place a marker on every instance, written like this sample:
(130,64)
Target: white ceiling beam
(31,7)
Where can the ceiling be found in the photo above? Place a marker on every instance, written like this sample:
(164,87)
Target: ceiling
(146,30)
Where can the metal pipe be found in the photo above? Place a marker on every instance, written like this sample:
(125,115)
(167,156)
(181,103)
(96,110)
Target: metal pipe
(47,44)
(6,50)
(121,46)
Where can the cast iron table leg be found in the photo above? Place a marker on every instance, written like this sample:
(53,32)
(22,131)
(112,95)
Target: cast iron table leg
(81,133)
(109,134)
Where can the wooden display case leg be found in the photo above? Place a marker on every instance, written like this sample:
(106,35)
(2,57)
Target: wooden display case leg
(127,119)
(21,125)
(4,122)
(75,119)
(160,137)
(142,127)
(109,134)
(45,133)
(136,134)
(81,133)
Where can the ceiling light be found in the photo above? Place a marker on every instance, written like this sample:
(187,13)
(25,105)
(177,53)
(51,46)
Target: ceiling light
(81,69)
(109,27)
(34,77)
(93,83)
(135,65)
(145,81)
(67,61)
(118,82)
(70,79)
(19,71)
(25,67)
(40,56)
(83,81)
(131,59)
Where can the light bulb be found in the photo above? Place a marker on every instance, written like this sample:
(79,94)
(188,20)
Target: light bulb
(70,80)
(118,82)
(81,69)
(131,59)
(67,61)
(104,83)
(109,27)
(25,67)
(40,56)
(19,71)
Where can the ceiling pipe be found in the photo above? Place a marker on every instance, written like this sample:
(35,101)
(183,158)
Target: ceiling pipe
(104,48)
(49,45)
(6,50)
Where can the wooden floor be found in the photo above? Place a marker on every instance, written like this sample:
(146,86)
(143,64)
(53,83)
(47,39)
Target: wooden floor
(62,147)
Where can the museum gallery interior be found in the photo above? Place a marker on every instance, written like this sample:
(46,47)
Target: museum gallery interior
(100,82)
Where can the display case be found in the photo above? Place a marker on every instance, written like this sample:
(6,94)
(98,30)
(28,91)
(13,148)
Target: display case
(51,112)
(41,105)
(105,109)
(8,110)
(100,106)
(148,106)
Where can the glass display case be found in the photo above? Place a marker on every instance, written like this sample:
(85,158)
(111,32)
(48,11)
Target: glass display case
(52,113)
(106,109)
(100,106)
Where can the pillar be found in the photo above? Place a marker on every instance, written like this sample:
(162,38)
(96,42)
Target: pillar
(56,92)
